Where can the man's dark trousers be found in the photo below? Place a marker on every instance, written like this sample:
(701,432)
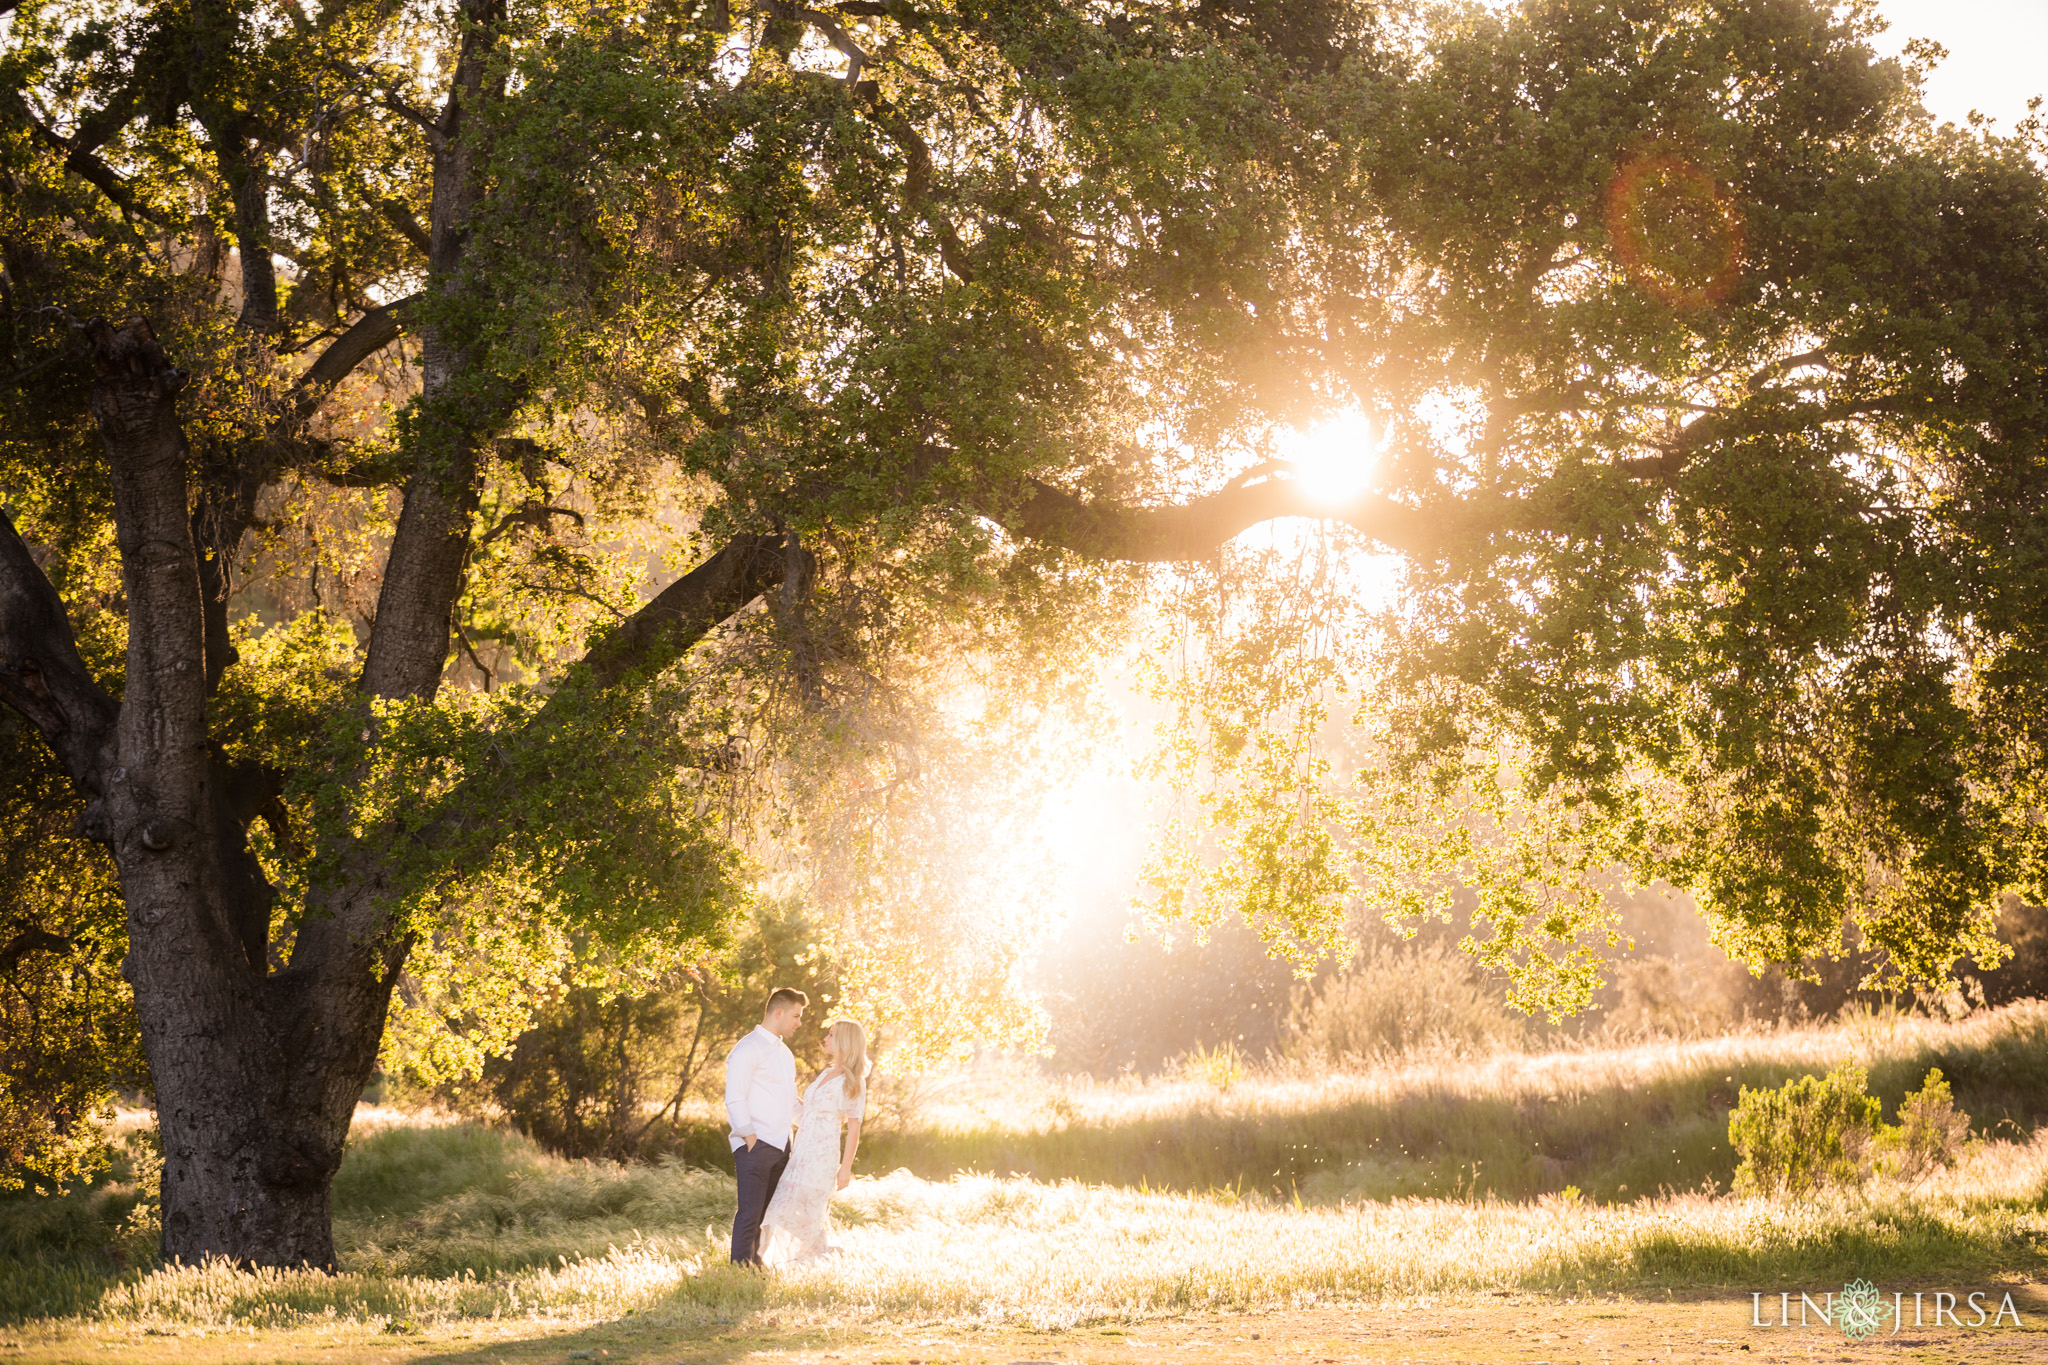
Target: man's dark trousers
(759,1167)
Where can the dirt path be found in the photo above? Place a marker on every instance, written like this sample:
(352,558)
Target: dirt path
(1509,1331)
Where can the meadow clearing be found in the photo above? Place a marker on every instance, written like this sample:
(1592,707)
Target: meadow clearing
(1004,1217)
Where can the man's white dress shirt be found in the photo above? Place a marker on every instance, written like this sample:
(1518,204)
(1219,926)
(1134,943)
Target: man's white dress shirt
(760,1090)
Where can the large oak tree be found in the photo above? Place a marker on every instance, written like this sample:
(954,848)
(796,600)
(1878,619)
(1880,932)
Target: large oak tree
(1711,376)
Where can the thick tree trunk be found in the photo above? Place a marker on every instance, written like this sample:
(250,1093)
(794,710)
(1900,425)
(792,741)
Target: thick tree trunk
(256,1083)
(256,1075)
(248,1167)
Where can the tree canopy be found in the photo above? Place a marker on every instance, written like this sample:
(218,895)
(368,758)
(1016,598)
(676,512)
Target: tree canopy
(1715,448)
(487,482)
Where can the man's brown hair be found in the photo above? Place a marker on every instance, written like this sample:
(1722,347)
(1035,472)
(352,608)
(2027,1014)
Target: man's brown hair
(786,995)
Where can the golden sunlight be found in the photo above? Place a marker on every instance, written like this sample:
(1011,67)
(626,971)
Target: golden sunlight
(1334,460)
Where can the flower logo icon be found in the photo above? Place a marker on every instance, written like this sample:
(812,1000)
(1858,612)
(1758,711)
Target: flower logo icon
(1861,1310)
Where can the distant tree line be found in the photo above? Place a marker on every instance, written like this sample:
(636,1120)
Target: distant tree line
(1394,997)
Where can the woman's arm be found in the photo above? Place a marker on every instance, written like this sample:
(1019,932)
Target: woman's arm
(852,1146)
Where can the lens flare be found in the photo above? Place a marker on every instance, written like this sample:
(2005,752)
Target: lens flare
(1676,231)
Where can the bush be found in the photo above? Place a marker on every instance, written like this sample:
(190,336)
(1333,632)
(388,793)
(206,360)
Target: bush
(1400,999)
(580,1080)
(1803,1135)
(1930,1135)
(1205,992)
(1221,1066)
(1815,1131)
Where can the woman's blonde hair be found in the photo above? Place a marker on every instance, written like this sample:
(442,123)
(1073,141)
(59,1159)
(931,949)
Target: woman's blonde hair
(852,1042)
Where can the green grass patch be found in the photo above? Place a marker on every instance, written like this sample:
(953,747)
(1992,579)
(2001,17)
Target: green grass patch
(1596,1171)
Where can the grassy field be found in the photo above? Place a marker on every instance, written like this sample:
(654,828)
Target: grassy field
(1005,1208)
(1619,1123)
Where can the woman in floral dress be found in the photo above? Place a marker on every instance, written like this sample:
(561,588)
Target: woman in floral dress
(798,1220)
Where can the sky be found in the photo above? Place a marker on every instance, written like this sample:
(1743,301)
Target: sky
(1998,53)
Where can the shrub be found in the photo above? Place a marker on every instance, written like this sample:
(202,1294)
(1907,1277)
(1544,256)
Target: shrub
(2023,928)
(1816,1131)
(580,1080)
(1200,991)
(1803,1135)
(1656,997)
(1930,1135)
(1400,999)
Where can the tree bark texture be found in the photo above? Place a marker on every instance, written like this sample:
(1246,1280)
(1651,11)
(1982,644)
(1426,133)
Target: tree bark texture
(430,548)
(245,1171)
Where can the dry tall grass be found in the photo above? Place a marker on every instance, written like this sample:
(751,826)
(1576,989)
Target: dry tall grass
(1618,1122)
(451,1222)
(992,1251)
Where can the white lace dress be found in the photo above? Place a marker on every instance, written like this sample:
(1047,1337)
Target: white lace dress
(798,1217)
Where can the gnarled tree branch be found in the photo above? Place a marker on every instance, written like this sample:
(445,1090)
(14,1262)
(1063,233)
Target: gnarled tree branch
(671,622)
(369,334)
(409,227)
(41,673)
(82,162)
(689,608)
(1198,529)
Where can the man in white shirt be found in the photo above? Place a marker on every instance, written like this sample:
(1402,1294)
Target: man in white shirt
(760,1100)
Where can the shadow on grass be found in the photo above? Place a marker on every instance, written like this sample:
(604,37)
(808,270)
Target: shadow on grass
(615,1343)
(721,1315)
(656,1336)
(55,1284)
(439,1202)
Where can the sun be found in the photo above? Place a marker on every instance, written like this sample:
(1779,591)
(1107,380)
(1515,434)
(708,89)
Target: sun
(1333,460)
